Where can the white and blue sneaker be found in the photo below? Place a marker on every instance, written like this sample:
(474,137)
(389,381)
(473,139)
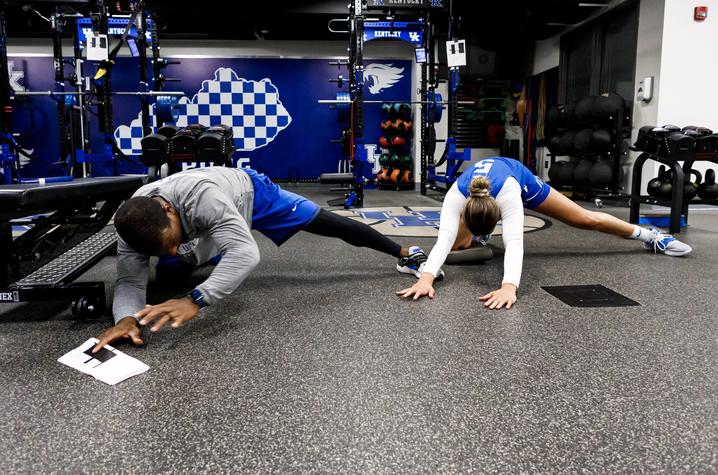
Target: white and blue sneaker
(414,263)
(666,244)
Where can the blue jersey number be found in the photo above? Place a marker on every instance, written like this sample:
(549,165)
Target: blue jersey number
(483,167)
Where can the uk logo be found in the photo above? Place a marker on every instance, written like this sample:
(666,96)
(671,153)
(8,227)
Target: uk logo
(405,218)
(399,221)
(381,76)
(15,77)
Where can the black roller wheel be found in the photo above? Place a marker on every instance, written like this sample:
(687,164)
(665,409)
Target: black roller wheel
(85,308)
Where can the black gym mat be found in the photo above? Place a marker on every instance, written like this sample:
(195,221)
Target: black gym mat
(589,296)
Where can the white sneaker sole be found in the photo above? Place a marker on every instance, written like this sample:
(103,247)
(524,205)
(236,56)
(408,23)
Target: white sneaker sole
(671,253)
(406,270)
(677,253)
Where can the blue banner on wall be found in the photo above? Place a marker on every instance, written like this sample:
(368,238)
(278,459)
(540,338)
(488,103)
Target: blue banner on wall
(411,32)
(279,127)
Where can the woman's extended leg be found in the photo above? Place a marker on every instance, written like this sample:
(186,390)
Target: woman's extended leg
(559,207)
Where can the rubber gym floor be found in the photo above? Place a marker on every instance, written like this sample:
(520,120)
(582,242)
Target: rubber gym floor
(314,365)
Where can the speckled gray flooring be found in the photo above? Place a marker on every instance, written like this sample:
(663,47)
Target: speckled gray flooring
(315,366)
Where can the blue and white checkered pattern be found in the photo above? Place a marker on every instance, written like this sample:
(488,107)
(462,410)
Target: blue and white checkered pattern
(129,138)
(252,108)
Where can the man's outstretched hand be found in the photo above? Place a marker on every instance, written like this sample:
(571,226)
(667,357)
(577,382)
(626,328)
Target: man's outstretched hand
(125,328)
(178,311)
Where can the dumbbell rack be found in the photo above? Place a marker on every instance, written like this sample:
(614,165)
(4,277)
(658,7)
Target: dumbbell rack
(679,206)
(618,132)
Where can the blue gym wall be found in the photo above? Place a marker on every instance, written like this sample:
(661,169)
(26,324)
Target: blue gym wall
(298,129)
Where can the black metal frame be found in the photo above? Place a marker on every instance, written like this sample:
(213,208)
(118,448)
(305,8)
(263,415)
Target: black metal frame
(679,206)
(78,115)
(428,124)
(356,95)
(93,291)
(356,83)
(58,22)
(5,95)
(426,153)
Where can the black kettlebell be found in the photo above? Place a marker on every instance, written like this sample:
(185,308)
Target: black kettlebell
(690,188)
(655,184)
(665,190)
(708,190)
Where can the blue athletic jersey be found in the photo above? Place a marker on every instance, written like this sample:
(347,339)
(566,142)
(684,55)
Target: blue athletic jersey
(277,213)
(497,169)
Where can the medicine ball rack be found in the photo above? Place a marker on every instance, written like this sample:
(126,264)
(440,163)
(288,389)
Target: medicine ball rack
(618,125)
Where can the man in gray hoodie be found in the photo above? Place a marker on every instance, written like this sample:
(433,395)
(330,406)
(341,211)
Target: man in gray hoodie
(202,213)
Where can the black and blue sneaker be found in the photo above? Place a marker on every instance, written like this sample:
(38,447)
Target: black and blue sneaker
(414,263)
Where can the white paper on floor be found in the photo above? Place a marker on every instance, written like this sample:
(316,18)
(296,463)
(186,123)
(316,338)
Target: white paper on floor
(109,365)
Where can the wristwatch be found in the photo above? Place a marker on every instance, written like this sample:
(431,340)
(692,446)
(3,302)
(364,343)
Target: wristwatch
(197,297)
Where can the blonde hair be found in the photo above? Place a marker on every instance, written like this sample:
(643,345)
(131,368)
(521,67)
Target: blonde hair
(481,212)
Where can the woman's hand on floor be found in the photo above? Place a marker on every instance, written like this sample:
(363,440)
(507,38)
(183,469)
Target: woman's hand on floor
(421,288)
(505,296)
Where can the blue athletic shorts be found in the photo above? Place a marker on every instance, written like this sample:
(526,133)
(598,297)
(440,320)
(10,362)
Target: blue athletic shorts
(277,213)
(536,193)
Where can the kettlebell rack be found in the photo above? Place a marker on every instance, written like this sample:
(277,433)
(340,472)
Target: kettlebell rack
(678,206)
(566,124)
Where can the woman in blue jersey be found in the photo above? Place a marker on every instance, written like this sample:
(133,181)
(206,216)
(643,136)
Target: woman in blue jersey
(500,188)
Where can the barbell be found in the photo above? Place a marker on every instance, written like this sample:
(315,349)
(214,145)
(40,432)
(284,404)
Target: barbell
(343,101)
(166,102)
(82,93)
(439,101)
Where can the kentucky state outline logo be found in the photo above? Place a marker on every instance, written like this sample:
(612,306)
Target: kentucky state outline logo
(251,108)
